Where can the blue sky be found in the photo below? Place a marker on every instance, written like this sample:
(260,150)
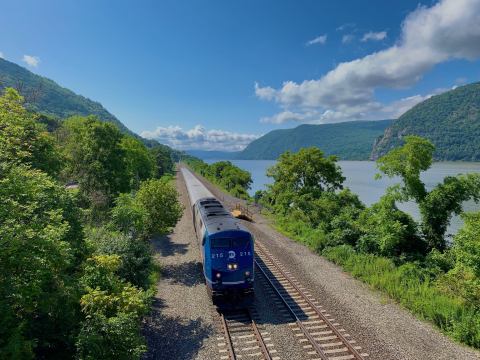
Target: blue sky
(178,70)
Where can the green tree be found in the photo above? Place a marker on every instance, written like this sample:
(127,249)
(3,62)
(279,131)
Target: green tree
(388,231)
(96,158)
(135,254)
(42,247)
(139,163)
(159,199)
(438,205)
(162,156)
(23,139)
(305,174)
(112,309)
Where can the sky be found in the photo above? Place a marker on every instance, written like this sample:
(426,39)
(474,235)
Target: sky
(217,74)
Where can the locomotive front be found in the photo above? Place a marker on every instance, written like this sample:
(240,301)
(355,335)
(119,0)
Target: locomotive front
(230,258)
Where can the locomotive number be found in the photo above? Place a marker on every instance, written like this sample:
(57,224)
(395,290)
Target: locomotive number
(217,256)
(245,253)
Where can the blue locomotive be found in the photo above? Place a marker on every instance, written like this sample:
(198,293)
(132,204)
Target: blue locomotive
(227,247)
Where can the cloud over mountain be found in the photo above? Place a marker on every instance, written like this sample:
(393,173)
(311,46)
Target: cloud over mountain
(447,30)
(199,138)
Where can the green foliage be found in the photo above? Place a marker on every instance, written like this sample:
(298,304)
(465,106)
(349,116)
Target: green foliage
(451,121)
(413,288)
(301,177)
(159,199)
(438,205)
(135,254)
(139,163)
(129,216)
(95,159)
(408,162)
(162,156)
(333,139)
(442,202)
(226,175)
(23,139)
(112,310)
(387,231)
(42,247)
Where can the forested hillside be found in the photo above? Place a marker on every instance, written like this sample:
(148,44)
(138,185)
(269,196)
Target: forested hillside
(351,140)
(77,272)
(451,121)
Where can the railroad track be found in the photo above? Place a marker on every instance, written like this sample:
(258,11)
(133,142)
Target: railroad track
(316,330)
(242,337)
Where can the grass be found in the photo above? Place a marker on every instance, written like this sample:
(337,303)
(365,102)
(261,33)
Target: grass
(409,285)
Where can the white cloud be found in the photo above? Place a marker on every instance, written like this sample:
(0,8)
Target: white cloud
(1,55)
(199,138)
(322,39)
(374,36)
(447,30)
(346,26)
(30,60)
(347,38)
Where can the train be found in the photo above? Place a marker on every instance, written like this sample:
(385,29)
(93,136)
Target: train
(226,245)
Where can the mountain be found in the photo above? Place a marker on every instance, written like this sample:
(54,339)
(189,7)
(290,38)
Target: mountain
(47,97)
(213,155)
(352,140)
(450,120)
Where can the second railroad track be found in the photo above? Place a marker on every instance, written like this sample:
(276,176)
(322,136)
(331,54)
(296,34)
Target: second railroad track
(321,337)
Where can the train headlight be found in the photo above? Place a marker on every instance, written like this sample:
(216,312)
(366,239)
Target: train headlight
(247,273)
(232,266)
(218,275)
(235,266)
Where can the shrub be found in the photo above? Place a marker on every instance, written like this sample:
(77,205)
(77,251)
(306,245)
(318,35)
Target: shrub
(135,254)
(159,199)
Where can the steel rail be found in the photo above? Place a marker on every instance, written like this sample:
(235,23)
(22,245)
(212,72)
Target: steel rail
(231,351)
(259,337)
(332,327)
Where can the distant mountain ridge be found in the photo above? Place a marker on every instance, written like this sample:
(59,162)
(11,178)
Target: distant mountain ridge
(450,120)
(213,154)
(352,140)
(45,96)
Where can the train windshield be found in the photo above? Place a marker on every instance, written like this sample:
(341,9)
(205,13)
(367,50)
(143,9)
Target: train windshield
(241,243)
(223,243)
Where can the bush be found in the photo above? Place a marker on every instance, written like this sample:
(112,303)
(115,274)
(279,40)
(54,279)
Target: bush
(112,309)
(389,231)
(159,199)
(135,254)
(129,216)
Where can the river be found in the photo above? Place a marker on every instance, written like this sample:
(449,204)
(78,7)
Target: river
(360,178)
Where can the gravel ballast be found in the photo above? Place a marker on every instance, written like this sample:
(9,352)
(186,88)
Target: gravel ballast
(382,328)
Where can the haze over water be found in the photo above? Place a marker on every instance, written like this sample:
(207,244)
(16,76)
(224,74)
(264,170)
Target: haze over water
(360,178)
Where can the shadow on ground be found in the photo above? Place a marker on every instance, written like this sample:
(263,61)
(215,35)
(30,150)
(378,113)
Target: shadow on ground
(188,273)
(173,337)
(166,247)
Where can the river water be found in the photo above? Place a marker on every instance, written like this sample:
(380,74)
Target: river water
(360,178)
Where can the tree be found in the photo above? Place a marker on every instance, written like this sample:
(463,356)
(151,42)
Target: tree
(139,163)
(96,158)
(23,139)
(163,160)
(438,205)
(388,231)
(306,173)
(42,247)
(408,161)
(112,309)
(159,199)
